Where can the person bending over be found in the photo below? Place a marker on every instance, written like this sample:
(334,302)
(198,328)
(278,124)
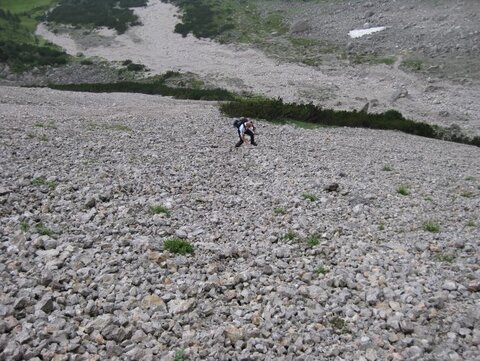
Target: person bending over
(248,128)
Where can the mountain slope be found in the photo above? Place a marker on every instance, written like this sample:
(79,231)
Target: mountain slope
(282,268)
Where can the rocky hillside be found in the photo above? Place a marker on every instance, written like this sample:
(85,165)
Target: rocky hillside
(325,244)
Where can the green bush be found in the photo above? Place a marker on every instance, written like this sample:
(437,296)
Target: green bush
(156,87)
(274,109)
(21,57)
(178,246)
(113,14)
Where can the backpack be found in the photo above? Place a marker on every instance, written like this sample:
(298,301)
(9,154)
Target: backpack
(238,122)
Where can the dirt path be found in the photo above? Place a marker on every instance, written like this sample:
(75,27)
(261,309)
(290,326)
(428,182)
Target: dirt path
(385,87)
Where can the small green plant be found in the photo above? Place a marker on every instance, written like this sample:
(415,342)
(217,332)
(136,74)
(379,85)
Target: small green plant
(280,211)
(309,196)
(313,241)
(403,190)
(50,125)
(290,235)
(24,226)
(179,355)
(431,227)
(43,138)
(178,246)
(381,227)
(445,257)
(470,178)
(471,223)
(41,181)
(160,210)
(321,270)
(387,168)
(30,135)
(338,323)
(44,231)
(467,194)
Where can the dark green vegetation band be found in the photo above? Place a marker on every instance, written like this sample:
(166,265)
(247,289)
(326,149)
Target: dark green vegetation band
(157,87)
(113,14)
(21,57)
(274,109)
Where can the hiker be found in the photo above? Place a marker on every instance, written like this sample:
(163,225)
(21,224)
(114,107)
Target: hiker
(245,126)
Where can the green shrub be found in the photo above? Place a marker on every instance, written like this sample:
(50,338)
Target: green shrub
(280,211)
(431,227)
(309,196)
(178,246)
(471,223)
(321,270)
(44,231)
(403,190)
(159,210)
(290,235)
(313,241)
(387,168)
(113,14)
(21,57)
(24,226)
(274,109)
(157,86)
(41,181)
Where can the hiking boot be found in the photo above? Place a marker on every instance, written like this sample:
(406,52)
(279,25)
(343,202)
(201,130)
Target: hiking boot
(253,143)
(238,144)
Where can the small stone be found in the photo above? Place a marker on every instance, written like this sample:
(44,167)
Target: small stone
(413,353)
(334,187)
(449,286)
(234,333)
(474,286)
(46,305)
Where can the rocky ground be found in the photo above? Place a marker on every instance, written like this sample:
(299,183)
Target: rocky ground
(305,249)
(443,35)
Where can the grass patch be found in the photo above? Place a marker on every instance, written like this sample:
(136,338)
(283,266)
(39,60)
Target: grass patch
(159,210)
(43,138)
(309,196)
(280,211)
(403,190)
(290,235)
(313,241)
(178,246)
(41,181)
(49,125)
(179,355)
(381,227)
(44,231)
(467,194)
(321,270)
(431,227)
(24,226)
(470,178)
(387,168)
(471,224)
(445,257)
(277,110)
(411,64)
(339,324)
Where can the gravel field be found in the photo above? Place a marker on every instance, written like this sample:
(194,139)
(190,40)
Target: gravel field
(304,247)
(334,244)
